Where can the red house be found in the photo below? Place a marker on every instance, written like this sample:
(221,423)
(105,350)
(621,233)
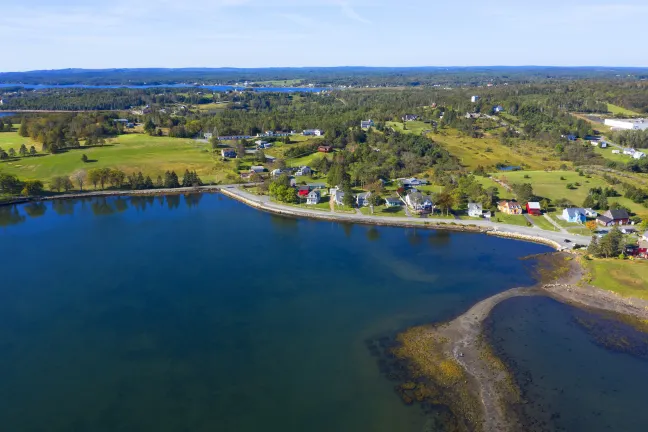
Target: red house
(324,149)
(533,208)
(303,191)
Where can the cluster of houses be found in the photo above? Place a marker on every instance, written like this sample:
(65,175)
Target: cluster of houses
(299,171)
(609,218)
(514,208)
(262,145)
(631,152)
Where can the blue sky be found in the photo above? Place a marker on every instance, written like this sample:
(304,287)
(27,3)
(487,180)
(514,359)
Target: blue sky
(53,34)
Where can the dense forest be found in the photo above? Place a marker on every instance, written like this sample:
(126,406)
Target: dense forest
(325,76)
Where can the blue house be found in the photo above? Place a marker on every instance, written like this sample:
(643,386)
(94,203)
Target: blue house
(574,215)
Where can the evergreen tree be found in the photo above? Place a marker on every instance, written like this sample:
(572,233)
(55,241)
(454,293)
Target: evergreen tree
(148,183)
(32,151)
(23,150)
(22,131)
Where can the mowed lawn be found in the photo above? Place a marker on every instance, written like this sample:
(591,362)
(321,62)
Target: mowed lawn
(13,140)
(607,154)
(130,153)
(624,277)
(549,185)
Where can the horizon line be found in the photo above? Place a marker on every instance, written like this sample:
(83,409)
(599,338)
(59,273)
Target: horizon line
(322,67)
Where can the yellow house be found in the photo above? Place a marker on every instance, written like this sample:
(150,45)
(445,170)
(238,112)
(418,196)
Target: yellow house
(509,207)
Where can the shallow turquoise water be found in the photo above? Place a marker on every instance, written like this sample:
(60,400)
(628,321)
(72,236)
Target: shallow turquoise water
(568,363)
(197,314)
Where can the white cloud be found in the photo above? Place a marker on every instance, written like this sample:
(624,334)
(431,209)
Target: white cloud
(350,13)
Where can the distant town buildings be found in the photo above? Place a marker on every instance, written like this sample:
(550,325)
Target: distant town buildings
(627,124)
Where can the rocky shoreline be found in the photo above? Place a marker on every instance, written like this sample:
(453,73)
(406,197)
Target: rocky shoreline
(483,393)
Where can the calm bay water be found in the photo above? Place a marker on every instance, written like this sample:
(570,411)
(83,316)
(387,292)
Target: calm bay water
(196,313)
(6,114)
(578,371)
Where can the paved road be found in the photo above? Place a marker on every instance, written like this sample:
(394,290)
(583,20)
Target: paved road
(558,237)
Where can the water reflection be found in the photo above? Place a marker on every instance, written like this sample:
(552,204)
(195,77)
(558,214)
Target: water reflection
(63,207)
(36,209)
(193,200)
(439,237)
(173,201)
(101,207)
(373,234)
(10,216)
(121,205)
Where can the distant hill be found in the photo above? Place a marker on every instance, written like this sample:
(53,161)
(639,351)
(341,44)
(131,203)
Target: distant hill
(323,76)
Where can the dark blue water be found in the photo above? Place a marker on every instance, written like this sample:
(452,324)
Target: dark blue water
(6,114)
(578,371)
(198,313)
(217,88)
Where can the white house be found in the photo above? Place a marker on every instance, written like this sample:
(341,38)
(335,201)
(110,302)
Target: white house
(419,202)
(475,210)
(392,202)
(628,151)
(208,135)
(639,155)
(366,124)
(591,213)
(304,170)
(595,143)
(276,172)
(411,182)
(645,236)
(313,197)
(616,151)
(362,199)
(474,99)
(603,144)
(627,124)
(313,132)
(337,195)
(498,109)
(260,143)
(409,117)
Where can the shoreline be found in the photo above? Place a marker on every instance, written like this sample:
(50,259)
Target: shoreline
(480,226)
(487,391)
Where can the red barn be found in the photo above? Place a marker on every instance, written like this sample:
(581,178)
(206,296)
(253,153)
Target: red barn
(533,208)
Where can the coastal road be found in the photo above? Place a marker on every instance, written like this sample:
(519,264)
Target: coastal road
(265,202)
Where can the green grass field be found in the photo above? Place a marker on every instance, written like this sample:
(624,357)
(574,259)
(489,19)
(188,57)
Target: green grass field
(384,211)
(13,140)
(414,127)
(510,219)
(502,192)
(549,185)
(624,277)
(131,153)
(615,109)
(543,223)
(607,154)
(488,151)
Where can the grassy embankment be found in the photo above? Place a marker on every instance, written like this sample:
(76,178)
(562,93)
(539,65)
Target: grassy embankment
(624,277)
(618,110)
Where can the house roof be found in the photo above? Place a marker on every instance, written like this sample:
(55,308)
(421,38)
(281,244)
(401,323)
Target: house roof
(574,211)
(512,204)
(618,214)
(392,200)
(363,195)
(475,206)
(534,205)
(645,234)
